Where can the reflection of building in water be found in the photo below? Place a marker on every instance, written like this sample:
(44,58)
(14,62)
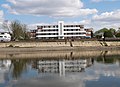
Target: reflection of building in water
(62,66)
(4,65)
(4,69)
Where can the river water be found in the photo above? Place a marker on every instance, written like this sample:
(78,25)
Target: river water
(60,69)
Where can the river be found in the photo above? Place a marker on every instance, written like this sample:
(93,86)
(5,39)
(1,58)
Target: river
(60,69)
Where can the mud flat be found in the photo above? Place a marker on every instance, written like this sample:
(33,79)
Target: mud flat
(58,54)
(37,49)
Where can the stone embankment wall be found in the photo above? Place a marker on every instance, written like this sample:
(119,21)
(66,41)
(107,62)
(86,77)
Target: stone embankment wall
(113,43)
(59,44)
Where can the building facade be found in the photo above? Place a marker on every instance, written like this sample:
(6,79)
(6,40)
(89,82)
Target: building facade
(89,32)
(32,33)
(61,31)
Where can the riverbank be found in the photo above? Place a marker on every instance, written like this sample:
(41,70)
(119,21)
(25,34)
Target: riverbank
(58,54)
(59,46)
(37,49)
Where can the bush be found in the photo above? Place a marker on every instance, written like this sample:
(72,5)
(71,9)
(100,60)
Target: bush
(117,35)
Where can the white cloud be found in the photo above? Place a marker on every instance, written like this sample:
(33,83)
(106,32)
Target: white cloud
(102,0)
(96,0)
(1,20)
(113,16)
(1,16)
(85,22)
(107,19)
(10,9)
(54,8)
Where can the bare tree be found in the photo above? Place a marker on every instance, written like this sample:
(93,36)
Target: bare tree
(6,26)
(18,30)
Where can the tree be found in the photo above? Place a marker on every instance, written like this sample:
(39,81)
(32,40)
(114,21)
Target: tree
(118,34)
(113,31)
(92,34)
(6,27)
(101,31)
(108,34)
(18,30)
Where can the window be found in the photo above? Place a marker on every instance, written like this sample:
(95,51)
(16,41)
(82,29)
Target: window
(5,36)
(53,26)
(1,36)
(2,33)
(57,26)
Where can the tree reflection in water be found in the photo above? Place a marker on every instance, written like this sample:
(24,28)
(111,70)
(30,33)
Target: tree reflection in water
(107,59)
(18,67)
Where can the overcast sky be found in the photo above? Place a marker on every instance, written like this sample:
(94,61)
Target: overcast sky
(92,13)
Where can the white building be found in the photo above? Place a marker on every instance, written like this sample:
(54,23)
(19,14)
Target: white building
(60,31)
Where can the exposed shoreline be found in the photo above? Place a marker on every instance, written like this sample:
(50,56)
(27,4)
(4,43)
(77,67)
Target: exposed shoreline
(58,53)
(37,49)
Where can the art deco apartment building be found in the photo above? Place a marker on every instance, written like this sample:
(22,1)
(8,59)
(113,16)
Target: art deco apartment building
(60,31)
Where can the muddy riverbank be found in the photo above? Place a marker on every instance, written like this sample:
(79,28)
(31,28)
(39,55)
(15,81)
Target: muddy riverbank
(37,49)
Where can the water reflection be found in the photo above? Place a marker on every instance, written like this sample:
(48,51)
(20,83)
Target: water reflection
(17,67)
(62,66)
(62,71)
